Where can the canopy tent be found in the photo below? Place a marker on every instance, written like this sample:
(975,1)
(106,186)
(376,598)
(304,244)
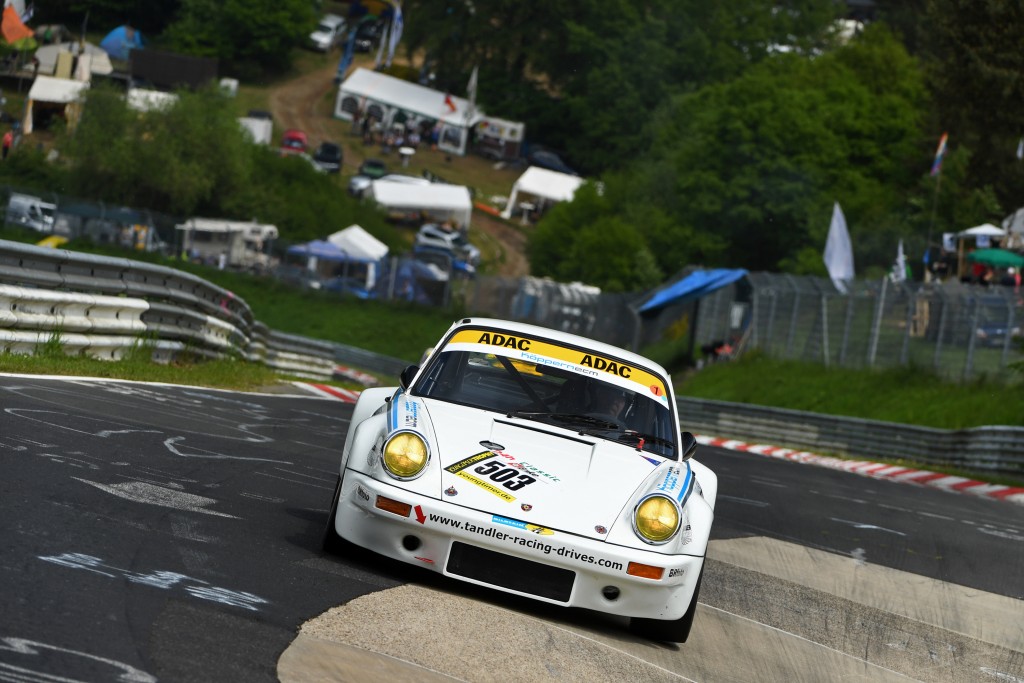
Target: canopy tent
(997,258)
(321,250)
(99,61)
(392,100)
(121,41)
(358,244)
(693,286)
(14,31)
(353,245)
(434,202)
(53,93)
(984,230)
(545,185)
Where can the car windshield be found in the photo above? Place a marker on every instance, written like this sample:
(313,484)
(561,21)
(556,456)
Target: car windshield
(539,380)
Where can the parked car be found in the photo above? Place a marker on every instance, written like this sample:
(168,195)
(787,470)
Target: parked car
(329,33)
(534,462)
(451,263)
(368,32)
(294,142)
(360,183)
(453,241)
(31,212)
(328,156)
(547,159)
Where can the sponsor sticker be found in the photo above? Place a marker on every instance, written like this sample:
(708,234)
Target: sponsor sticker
(532,528)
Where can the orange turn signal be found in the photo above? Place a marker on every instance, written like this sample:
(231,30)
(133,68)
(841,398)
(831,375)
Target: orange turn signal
(396,507)
(645,571)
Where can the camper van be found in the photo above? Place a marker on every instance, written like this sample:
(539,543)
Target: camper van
(239,245)
(31,212)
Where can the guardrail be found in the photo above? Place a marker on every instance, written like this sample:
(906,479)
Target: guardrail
(104,306)
(983,449)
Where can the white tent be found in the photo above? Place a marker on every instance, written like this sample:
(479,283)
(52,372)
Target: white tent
(98,59)
(363,247)
(392,100)
(985,230)
(54,92)
(359,244)
(436,202)
(544,186)
(260,130)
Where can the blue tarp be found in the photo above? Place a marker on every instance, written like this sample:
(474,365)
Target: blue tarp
(321,249)
(121,41)
(693,286)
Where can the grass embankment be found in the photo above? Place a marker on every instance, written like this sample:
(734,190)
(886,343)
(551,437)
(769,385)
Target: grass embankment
(903,395)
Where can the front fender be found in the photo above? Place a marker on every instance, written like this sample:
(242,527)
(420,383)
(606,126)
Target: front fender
(369,402)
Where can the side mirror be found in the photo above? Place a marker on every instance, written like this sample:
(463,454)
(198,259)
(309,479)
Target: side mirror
(689,445)
(405,379)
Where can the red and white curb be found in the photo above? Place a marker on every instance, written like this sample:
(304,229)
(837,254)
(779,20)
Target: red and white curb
(946,482)
(325,391)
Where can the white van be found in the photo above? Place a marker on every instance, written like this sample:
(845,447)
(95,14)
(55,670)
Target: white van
(31,212)
(329,33)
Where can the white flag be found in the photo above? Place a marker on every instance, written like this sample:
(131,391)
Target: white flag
(380,48)
(899,269)
(397,23)
(471,94)
(838,250)
(1020,148)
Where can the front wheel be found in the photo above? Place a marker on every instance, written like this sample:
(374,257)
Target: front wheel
(668,631)
(333,544)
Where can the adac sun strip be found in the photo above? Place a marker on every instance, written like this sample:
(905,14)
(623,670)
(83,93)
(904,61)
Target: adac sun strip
(546,353)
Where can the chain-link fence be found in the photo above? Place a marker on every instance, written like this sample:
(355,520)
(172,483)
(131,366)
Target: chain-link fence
(959,331)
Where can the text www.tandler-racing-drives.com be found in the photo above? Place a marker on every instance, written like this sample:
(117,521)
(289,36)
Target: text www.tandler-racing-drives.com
(534,543)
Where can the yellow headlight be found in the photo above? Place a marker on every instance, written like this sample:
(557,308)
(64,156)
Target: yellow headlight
(657,519)
(405,455)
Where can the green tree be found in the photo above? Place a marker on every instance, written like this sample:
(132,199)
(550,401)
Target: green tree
(585,74)
(178,160)
(246,34)
(756,163)
(975,61)
(584,241)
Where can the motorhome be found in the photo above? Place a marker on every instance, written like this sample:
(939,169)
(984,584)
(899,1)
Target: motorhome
(240,245)
(31,212)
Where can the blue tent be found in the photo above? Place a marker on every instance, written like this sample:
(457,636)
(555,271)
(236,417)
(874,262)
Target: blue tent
(320,249)
(121,41)
(693,286)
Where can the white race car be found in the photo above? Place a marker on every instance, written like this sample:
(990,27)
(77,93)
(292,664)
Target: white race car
(538,463)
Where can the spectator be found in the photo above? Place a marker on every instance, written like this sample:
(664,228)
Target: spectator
(8,141)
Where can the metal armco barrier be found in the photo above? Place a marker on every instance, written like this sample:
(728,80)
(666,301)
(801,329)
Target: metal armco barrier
(104,306)
(990,449)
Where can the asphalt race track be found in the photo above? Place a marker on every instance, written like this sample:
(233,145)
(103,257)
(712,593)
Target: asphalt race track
(169,533)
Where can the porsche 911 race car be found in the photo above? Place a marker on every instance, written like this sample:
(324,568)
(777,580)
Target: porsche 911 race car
(534,462)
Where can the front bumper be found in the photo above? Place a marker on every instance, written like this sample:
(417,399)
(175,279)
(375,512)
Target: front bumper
(507,555)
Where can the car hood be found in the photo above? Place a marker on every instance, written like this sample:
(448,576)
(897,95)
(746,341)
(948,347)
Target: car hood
(580,484)
(320,37)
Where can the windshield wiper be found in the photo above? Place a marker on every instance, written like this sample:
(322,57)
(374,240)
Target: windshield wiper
(575,419)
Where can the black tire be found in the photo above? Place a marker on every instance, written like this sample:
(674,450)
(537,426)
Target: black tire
(668,631)
(333,544)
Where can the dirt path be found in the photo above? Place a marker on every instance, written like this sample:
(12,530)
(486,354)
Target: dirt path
(307,103)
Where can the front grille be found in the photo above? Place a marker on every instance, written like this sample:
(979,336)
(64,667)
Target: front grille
(513,573)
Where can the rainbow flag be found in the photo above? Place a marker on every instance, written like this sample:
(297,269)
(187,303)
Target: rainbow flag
(939,153)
